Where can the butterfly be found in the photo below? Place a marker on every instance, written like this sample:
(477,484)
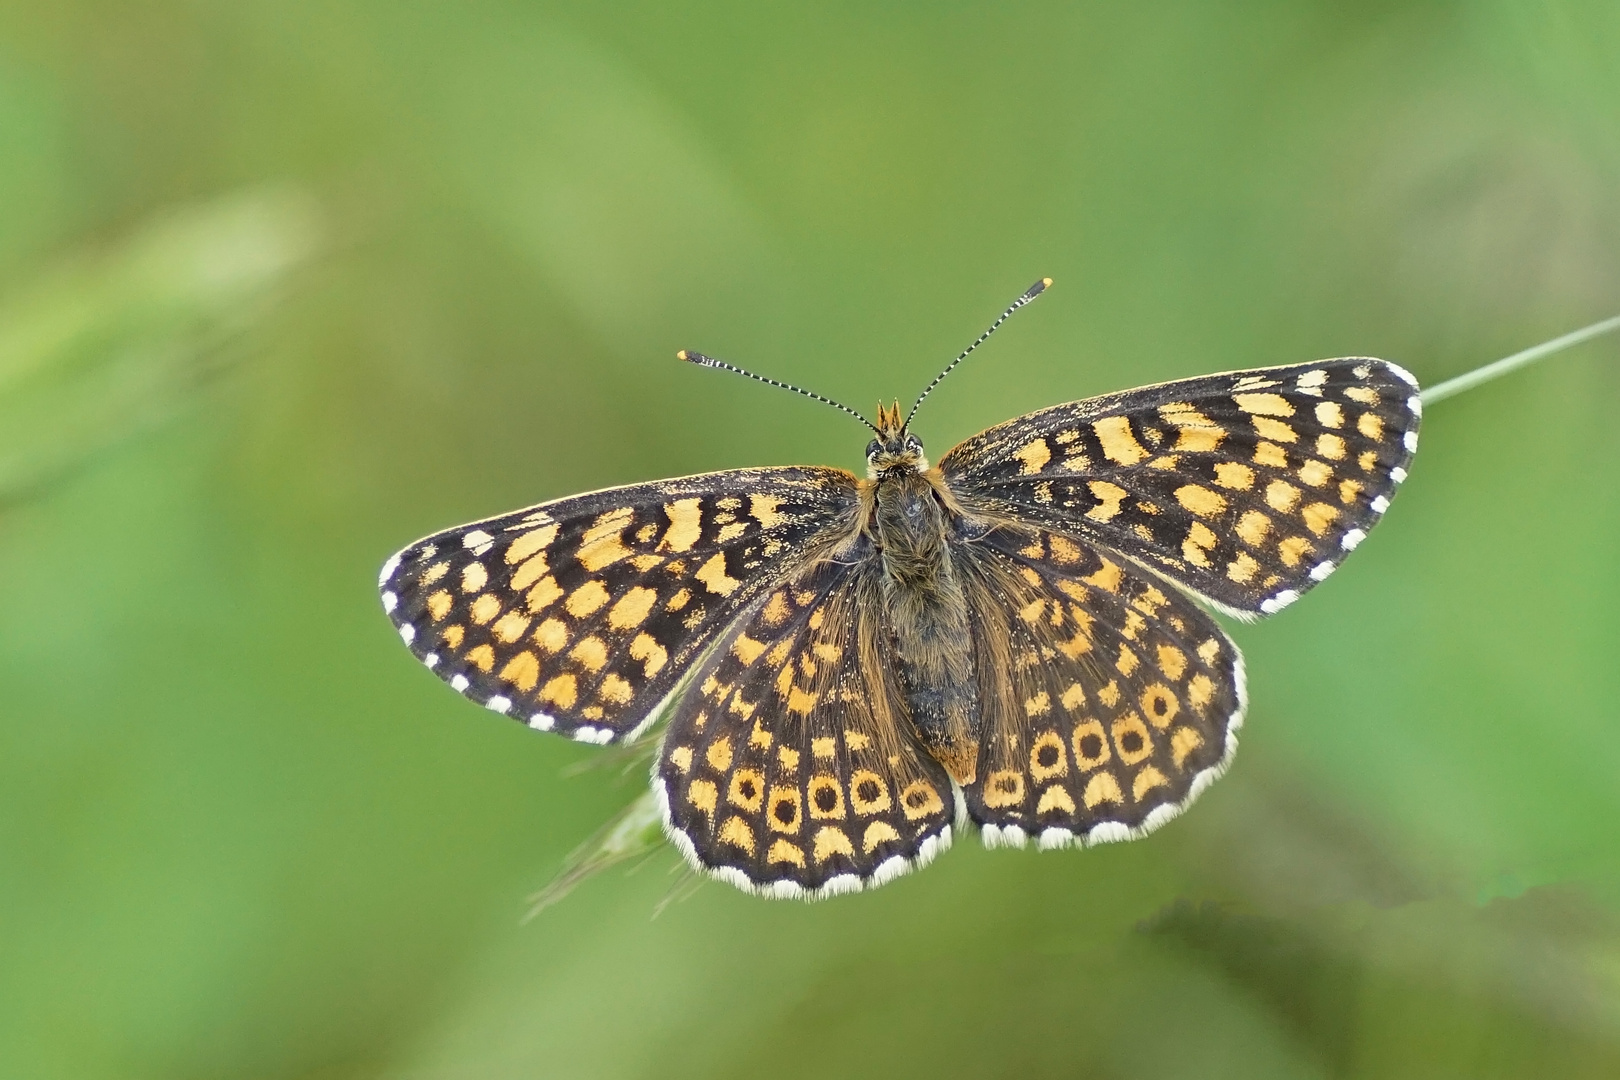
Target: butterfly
(853,669)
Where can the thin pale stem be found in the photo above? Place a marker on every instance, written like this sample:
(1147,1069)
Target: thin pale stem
(1441,391)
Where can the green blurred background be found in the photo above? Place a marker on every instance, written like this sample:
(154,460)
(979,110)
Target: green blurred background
(286,285)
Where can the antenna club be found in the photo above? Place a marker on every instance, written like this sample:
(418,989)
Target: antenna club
(682,355)
(1046,283)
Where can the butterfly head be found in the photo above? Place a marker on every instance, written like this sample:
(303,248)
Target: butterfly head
(895,449)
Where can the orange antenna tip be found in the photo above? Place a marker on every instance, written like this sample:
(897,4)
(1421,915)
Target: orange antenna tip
(1046,283)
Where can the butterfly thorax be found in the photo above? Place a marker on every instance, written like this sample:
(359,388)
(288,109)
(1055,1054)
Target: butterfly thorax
(924,604)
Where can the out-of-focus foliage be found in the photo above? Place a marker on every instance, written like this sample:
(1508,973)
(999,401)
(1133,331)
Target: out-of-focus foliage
(285,285)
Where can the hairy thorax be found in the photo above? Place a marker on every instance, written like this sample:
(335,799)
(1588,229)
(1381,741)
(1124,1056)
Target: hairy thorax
(927,613)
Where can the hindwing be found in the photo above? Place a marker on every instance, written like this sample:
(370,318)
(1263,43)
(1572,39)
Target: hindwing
(582,614)
(789,767)
(1110,700)
(1247,488)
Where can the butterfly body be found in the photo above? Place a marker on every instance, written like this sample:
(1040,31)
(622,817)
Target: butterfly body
(850,669)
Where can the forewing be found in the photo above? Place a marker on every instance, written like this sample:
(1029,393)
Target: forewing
(1110,699)
(581,615)
(788,768)
(1247,488)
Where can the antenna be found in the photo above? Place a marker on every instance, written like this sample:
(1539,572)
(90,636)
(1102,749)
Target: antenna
(710,362)
(1029,294)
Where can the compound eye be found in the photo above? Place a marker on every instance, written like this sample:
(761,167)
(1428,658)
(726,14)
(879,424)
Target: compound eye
(912,443)
(873,447)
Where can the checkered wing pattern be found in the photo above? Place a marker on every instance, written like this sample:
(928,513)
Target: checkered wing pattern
(1246,488)
(581,615)
(789,768)
(1110,699)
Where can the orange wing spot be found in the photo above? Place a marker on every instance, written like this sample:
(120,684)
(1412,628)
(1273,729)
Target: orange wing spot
(718,755)
(439,605)
(1039,705)
(522,671)
(1200,500)
(685,525)
(1033,455)
(1127,661)
(703,795)
(1253,526)
(826,797)
(1329,414)
(1183,741)
(1131,738)
(652,655)
(1107,578)
(1047,757)
(737,833)
(1319,517)
(1073,697)
(1348,490)
(1195,549)
(1064,552)
(759,738)
(510,627)
(1172,661)
(714,577)
(1234,475)
(1293,549)
(831,841)
(1271,455)
(530,572)
(615,690)
(453,636)
(747,790)
(587,598)
(868,794)
(1118,442)
(1366,395)
(543,594)
(784,852)
(1109,695)
(561,691)
(1146,780)
(633,608)
(776,610)
(1210,650)
(1002,788)
(824,747)
(878,832)
(1032,611)
(1102,788)
(433,574)
(783,809)
(1200,691)
(741,706)
(1370,425)
(747,649)
(551,635)
(1056,799)
(681,758)
(1330,447)
(1090,745)
(1274,429)
(1196,433)
(1368,460)
(590,654)
(919,800)
(1281,495)
(474,577)
(1109,497)
(1264,404)
(801,702)
(530,542)
(484,608)
(1160,705)
(1315,473)
(1242,569)
(788,758)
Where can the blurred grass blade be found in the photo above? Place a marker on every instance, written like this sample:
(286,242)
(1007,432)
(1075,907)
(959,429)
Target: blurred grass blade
(636,830)
(1452,387)
(105,345)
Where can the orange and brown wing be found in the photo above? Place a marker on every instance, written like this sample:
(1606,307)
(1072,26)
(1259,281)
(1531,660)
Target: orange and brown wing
(581,615)
(1110,700)
(1247,488)
(788,768)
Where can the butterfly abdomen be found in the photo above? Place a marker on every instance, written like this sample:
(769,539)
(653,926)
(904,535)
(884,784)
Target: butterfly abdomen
(928,619)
